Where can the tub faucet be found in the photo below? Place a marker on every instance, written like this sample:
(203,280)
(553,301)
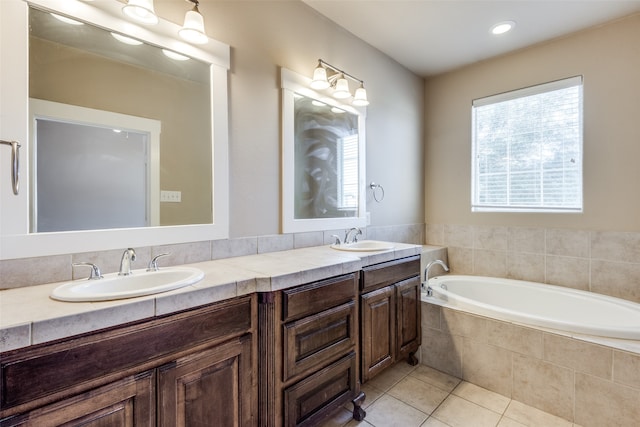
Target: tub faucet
(125,263)
(356,232)
(431,264)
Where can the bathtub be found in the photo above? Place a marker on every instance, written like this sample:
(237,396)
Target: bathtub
(537,304)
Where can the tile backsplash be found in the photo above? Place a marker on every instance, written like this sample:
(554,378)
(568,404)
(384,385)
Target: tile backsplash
(606,262)
(16,273)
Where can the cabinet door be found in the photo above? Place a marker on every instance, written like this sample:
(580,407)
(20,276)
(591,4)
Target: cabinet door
(126,403)
(408,314)
(213,387)
(378,331)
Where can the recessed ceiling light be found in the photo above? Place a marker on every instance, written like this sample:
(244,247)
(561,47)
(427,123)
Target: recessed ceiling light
(502,27)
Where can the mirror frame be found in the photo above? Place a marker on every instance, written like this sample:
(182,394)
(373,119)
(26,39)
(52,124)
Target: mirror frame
(293,83)
(15,239)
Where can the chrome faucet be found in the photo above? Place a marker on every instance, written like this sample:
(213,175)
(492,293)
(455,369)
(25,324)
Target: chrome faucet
(125,263)
(347,235)
(95,270)
(431,264)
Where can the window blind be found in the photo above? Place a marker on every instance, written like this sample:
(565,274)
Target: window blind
(348,172)
(527,149)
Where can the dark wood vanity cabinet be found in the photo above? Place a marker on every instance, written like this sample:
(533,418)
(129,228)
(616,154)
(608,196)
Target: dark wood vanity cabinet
(309,352)
(126,402)
(390,314)
(193,368)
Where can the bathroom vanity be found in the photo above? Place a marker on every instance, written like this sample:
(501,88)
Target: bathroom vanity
(288,350)
(193,366)
(309,352)
(390,305)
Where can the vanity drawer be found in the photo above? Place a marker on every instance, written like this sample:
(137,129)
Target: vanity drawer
(318,296)
(315,340)
(306,402)
(386,273)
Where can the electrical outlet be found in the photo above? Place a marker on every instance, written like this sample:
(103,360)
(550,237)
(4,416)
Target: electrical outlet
(170,196)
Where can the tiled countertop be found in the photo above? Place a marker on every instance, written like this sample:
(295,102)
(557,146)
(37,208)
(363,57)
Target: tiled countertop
(29,316)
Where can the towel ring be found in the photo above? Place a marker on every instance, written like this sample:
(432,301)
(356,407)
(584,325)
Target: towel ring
(376,187)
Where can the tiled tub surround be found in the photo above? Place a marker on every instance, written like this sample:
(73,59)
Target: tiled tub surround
(28,316)
(22,272)
(587,380)
(604,262)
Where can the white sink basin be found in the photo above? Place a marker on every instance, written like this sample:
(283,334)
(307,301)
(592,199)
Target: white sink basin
(364,246)
(140,283)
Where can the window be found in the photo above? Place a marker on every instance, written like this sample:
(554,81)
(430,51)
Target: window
(348,172)
(527,149)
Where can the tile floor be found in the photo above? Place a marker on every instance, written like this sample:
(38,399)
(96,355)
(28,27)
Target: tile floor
(407,396)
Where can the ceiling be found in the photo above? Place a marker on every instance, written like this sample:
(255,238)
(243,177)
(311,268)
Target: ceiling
(430,37)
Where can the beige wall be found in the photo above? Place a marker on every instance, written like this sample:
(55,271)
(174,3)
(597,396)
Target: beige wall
(608,58)
(267,35)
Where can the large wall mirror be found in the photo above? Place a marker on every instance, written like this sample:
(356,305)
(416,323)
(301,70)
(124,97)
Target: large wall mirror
(123,129)
(323,146)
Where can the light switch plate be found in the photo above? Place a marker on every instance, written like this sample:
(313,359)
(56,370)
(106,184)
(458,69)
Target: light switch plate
(171,196)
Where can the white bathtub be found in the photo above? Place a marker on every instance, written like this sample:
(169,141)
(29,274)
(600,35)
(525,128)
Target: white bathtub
(538,304)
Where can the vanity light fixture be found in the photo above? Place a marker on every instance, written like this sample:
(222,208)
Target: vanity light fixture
(141,11)
(193,28)
(338,81)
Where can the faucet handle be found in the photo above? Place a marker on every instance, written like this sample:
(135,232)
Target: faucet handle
(337,241)
(153,264)
(95,270)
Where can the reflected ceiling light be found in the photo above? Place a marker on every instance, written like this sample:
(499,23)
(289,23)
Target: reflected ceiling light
(175,56)
(141,11)
(66,20)
(338,81)
(126,40)
(193,28)
(502,27)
